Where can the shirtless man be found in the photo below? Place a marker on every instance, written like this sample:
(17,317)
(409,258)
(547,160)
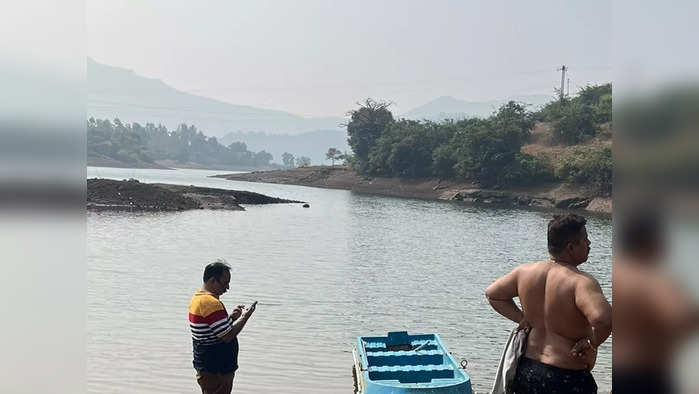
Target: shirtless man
(565,309)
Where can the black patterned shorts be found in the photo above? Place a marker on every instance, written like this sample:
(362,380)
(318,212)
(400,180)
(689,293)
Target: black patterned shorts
(534,377)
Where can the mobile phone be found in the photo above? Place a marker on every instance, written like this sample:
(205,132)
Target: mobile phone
(254,304)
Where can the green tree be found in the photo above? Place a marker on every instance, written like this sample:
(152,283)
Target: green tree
(599,100)
(288,160)
(303,161)
(551,111)
(592,94)
(406,148)
(443,162)
(575,124)
(589,167)
(488,150)
(366,125)
(237,146)
(333,154)
(262,159)
(348,159)
(514,121)
(594,100)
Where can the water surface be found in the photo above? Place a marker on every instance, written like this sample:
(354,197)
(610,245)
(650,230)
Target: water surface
(352,264)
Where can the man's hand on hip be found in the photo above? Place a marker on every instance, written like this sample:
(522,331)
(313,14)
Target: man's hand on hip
(584,350)
(524,325)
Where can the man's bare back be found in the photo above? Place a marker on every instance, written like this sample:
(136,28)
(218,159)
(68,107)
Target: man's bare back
(555,299)
(565,307)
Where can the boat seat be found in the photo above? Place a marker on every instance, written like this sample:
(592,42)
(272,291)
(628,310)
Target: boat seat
(381,347)
(411,373)
(403,352)
(386,368)
(406,360)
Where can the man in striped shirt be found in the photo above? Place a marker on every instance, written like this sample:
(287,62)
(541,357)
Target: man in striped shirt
(214,331)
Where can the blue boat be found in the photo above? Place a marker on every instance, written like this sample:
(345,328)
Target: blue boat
(400,363)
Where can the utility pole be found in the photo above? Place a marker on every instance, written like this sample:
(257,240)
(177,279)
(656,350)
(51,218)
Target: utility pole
(563,78)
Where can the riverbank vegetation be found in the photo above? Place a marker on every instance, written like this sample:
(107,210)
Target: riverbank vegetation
(134,143)
(568,140)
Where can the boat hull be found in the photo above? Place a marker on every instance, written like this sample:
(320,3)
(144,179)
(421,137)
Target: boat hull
(401,363)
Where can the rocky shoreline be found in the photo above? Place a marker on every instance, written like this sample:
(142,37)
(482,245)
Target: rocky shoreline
(132,195)
(553,196)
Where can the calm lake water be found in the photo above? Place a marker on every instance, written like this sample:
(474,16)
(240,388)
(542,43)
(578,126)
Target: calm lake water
(353,264)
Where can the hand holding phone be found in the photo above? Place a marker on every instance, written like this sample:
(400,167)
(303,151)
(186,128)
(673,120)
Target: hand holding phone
(249,310)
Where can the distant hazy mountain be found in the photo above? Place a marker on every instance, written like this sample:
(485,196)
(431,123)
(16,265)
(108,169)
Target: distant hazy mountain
(446,107)
(120,93)
(313,144)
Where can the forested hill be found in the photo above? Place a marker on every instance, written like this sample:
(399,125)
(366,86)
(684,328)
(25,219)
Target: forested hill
(134,145)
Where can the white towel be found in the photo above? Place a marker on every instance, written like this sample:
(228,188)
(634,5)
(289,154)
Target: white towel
(514,349)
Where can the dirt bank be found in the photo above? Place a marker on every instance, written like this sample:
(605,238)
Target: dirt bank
(132,195)
(554,195)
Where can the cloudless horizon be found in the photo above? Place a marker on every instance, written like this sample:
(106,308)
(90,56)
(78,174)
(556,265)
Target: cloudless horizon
(318,58)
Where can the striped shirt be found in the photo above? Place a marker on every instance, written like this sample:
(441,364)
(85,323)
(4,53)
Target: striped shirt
(209,322)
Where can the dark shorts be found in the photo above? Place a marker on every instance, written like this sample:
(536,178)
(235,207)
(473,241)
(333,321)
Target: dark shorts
(215,383)
(538,378)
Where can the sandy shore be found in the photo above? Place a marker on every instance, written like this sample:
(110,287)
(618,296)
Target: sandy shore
(554,195)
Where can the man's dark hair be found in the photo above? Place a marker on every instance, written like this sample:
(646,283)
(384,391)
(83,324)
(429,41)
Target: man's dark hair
(215,270)
(564,229)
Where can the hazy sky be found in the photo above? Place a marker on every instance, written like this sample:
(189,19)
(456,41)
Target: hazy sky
(318,58)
